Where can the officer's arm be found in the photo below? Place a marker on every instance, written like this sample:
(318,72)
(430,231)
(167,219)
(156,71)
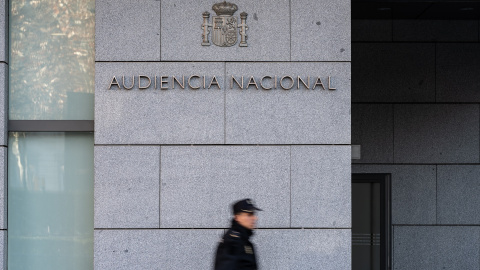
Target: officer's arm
(229,259)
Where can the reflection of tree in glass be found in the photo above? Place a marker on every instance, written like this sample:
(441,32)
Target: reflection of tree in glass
(51,62)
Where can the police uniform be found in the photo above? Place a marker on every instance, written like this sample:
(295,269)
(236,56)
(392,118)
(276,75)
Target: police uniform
(235,251)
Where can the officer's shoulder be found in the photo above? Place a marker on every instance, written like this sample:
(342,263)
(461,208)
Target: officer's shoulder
(232,235)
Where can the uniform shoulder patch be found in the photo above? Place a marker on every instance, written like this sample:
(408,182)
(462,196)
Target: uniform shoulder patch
(234,234)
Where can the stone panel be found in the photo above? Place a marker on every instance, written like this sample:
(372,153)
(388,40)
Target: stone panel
(386,72)
(3,187)
(3,249)
(3,104)
(321,30)
(155,249)
(127,30)
(372,128)
(301,249)
(295,116)
(435,30)
(458,194)
(198,184)
(153,116)
(372,30)
(127,186)
(268,34)
(321,186)
(3,31)
(458,72)
(436,133)
(413,191)
(427,247)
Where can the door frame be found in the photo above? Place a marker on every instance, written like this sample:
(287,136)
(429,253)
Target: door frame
(384,179)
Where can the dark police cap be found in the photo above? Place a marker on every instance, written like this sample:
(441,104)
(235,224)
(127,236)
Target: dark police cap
(245,205)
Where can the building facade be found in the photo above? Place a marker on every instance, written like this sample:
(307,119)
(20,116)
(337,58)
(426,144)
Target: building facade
(131,126)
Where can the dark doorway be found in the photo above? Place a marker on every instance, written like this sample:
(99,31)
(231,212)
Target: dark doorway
(371,222)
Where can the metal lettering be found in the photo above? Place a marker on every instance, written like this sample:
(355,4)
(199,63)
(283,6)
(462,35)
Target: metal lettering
(189,80)
(261,82)
(252,81)
(162,82)
(291,79)
(182,85)
(307,85)
(133,83)
(140,81)
(318,82)
(329,85)
(235,80)
(112,83)
(214,82)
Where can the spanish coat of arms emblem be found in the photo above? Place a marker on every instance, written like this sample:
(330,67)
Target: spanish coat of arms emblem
(224,26)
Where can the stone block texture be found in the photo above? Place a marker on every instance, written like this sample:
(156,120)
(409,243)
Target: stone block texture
(458,70)
(436,133)
(389,72)
(127,30)
(458,194)
(303,249)
(4,31)
(153,116)
(439,247)
(3,104)
(3,249)
(413,191)
(320,30)
(372,128)
(198,184)
(371,30)
(268,34)
(127,186)
(3,188)
(155,249)
(295,116)
(435,30)
(321,186)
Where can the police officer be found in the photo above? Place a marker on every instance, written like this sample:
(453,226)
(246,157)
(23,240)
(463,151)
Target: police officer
(235,251)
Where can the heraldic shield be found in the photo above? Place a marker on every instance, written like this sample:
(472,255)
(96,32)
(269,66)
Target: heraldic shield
(224,26)
(224,31)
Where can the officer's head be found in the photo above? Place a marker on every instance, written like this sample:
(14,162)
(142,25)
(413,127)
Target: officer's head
(244,212)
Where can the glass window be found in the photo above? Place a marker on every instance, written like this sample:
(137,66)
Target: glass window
(51,64)
(50,201)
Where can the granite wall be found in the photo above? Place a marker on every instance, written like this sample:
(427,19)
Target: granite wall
(3,130)
(415,113)
(168,163)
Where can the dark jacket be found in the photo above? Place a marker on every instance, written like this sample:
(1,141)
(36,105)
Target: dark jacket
(235,251)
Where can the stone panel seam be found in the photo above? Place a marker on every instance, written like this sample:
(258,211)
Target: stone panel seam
(223,228)
(200,145)
(290,26)
(435,72)
(160,32)
(159,186)
(414,164)
(216,61)
(393,133)
(290,161)
(436,225)
(225,103)
(436,194)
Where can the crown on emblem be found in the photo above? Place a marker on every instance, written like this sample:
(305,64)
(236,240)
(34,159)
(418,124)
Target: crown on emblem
(224,8)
